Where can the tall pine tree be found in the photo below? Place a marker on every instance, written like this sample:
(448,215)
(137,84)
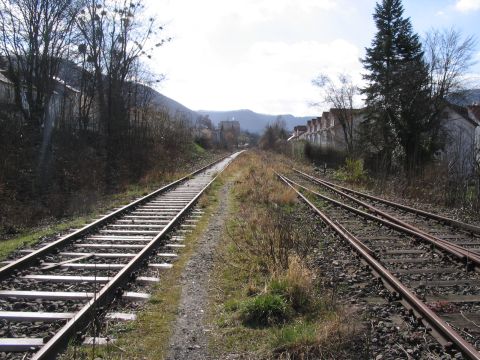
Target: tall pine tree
(397,89)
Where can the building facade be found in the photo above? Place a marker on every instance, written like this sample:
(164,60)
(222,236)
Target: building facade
(461,126)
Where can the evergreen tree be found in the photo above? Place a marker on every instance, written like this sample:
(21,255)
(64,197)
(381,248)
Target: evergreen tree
(397,90)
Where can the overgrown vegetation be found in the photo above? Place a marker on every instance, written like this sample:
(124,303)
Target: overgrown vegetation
(20,231)
(352,171)
(409,87)
(77,180)
(324,156)
(275,137)
(266,301)
(77,119)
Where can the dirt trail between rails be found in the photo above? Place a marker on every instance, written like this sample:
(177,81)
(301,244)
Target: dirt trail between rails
(190,333)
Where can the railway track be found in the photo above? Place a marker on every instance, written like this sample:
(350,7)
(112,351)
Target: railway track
(52,293)
(462,238)
(421,258)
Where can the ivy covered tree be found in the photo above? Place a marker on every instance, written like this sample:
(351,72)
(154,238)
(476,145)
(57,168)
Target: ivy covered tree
(397,91)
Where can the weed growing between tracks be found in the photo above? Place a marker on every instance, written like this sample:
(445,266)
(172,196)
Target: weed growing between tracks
(266,301)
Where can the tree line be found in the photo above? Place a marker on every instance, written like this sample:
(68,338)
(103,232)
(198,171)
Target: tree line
(87,56)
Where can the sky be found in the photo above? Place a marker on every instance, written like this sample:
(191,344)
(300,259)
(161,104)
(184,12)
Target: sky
(262,54)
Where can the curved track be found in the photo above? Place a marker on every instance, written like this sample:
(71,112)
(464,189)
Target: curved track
(432,276)
(50,295)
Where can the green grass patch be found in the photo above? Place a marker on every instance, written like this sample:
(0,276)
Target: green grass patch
(295,335)
(198,149)
(31,237)
(352,171)
(264,309)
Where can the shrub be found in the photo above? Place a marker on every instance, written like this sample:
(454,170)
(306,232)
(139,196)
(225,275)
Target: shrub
(296,286)
(264,309)
(352,171)
(278,286)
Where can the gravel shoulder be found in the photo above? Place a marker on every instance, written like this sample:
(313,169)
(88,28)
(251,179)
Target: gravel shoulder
(189,339)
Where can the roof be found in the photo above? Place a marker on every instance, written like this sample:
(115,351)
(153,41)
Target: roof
(463,112)
(4,79)
(63,83)
(336,111)
(475,110)
(300,128)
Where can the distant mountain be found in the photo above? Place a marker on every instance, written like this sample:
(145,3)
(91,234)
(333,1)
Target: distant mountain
(249,120)
(173,106)
(71,74)
(467,97)
(252,121)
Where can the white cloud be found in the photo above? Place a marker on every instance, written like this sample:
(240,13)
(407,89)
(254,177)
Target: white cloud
(467,5)
(257,54)
(266,10)
(274,77)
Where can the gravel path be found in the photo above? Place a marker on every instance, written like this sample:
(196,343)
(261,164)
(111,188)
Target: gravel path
(189,340)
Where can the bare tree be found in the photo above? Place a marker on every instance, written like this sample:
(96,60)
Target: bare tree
(34,39)
(115,35)
(449,56)
(340,93)
(275,136)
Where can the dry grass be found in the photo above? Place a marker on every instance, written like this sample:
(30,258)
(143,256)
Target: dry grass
(298,285)
(322,340)
(266,302)
(260,184)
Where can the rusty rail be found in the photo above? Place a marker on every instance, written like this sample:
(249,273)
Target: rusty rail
(452,222)
(432,319)
(456,249)
(390,224)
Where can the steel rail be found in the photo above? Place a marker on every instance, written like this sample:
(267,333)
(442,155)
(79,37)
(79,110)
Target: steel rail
(469,255)
(111,290)
(390,224)
(32,257)
(432,319)
(455,223)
